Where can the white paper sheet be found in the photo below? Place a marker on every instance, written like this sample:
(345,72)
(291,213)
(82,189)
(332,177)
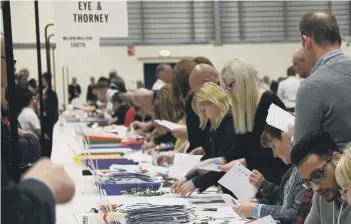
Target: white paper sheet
(182,163)
(209,167)
(279,118)
(167,124)
(230,201)
(237,181)
(265,220)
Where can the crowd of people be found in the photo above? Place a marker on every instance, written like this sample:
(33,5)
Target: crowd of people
(302,175)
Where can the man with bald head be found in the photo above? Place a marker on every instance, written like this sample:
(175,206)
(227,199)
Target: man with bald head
(164,76)
(144,99)
(201,74)
(300,65)
(323,101)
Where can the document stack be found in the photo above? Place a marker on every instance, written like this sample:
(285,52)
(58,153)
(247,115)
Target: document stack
(157,211)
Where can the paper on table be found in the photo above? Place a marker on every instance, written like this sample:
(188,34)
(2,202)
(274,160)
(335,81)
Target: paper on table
(279,118)
(237,181)
(265,220)
(167,124)
(209,167)
(229,200)
(182,163)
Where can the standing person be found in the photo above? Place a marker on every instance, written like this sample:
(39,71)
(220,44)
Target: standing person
(91,97)
(116,82)
(33,86)
(287,90)
(74,90)
(164,76)
(250,104)
(183,95)
(316,155)
(300,65)
(50,105)
(24,73)
(324,98)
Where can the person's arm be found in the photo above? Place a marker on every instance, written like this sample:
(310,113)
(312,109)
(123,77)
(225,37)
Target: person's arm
(204,181)
(308,110)
(288,214)
(269,192)
(35,123)
(79,90)
(30,201)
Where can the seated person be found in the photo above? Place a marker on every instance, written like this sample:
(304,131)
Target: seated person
(28,119)
(211,104)
(343,174)
(165,109)
(281,202)
(316,155)
(104,96)
(120,109)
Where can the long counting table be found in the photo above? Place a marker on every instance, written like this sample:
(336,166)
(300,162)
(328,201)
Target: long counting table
(86,196)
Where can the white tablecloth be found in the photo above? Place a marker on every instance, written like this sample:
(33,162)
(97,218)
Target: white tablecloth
(65,146)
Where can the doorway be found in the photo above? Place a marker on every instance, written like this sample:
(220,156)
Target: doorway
(150,73)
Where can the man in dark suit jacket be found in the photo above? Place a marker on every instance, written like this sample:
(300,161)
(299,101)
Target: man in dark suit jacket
(74,90)
(91,97)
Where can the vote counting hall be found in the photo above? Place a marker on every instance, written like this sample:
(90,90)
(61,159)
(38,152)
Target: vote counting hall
(169,112)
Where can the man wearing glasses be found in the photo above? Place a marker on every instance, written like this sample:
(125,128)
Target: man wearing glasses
(316,156)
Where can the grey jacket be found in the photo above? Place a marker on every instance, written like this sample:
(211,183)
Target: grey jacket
(323,101)
(292,196)
(323,212)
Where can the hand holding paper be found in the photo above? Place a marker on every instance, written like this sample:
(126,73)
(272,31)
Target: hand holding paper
(237,181)
(229,200)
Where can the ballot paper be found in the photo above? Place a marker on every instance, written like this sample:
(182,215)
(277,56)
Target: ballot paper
(265,220)
(279,118)
(209,167)
(182,163)
(230,201)
(237,181)
(157,210)
(167,124)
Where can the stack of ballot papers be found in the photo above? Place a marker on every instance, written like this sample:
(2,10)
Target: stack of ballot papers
(167,124)
(182,163)
(237,181)
(279,118)
(157,210)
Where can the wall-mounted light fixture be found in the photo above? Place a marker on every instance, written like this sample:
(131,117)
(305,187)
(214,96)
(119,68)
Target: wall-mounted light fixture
(165,53)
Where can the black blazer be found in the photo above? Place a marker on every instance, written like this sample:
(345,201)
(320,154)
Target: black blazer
(222,142)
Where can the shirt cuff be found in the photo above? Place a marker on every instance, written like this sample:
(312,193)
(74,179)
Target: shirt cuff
(216,161)
(257,211)
(192,184)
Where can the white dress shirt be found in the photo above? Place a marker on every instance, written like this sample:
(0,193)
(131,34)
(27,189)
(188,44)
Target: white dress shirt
(287,90)
(158,84)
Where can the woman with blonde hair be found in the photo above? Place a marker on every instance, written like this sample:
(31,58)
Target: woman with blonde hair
(250,104)
(343,174)
(212,106)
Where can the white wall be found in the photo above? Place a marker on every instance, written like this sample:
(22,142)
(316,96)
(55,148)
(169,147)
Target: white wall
(269,59)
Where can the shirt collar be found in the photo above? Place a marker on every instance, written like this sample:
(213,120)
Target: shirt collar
(325,58)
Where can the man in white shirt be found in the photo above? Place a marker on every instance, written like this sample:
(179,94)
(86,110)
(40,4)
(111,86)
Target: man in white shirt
(164,76)
(104,96)
(287,90)
(28,119)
